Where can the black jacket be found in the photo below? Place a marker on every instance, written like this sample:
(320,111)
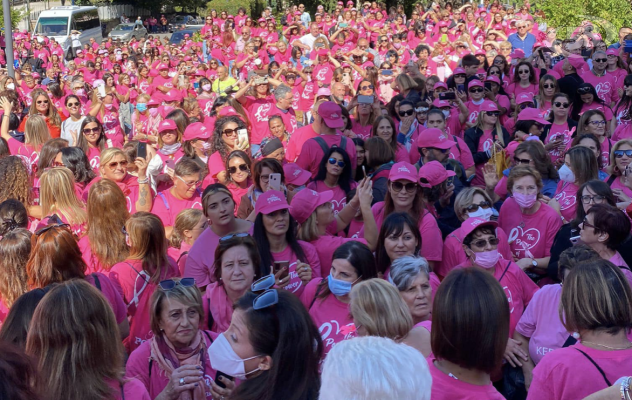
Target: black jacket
(472,137)
(547,128)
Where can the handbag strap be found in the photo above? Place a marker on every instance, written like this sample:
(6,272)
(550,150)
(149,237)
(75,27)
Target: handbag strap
(603,374)
(504,272)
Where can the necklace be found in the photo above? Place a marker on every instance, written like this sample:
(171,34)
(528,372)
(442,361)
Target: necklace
(609,347)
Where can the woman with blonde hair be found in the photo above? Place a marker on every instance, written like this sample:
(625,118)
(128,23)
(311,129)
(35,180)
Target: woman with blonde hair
(15,248)
(104,243)
(36,133)
(404,84)
(378,310)
(58,197)
(43,106)
(189,225)
(73,338)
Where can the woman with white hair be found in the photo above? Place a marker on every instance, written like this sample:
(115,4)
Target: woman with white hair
(374,368)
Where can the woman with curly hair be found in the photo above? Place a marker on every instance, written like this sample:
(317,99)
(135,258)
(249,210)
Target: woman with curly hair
(43,106)
(17,183)
(15,247)
(223,142)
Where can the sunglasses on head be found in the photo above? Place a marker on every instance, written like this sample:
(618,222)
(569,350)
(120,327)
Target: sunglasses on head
(409,187)
(476,90)
(233,235)
(406,113)
(562,105)
(242,167)
(584,90)
(170,284)
(481,243)
(333,161)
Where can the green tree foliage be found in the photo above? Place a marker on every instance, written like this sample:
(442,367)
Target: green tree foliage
(16,16)
(606,15)
(254,8)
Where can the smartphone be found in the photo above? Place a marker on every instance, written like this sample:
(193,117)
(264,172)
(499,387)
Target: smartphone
(275,182)
(343,25)
(488,86)
(471,178)
(279,265)
(460,88)
(447,96)
(220,383)
(170,164)
(141,150)
(256,49)
(365,99)
(364,171)
(101,89)
(196,85)
(387,72)
(242,135)
(346,79)
(627,46)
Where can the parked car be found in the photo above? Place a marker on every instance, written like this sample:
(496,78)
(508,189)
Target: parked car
(178,36)
(179,21)
(128,31)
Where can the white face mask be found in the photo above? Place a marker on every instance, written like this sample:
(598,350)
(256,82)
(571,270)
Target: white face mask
(223,358)
(446,113)
(482,213)
(566,174)
(10,86)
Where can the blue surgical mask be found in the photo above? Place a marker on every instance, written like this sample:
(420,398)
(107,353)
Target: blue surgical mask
(141,107)
(339,287)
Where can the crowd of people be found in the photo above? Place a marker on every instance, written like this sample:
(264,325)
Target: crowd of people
(354,204)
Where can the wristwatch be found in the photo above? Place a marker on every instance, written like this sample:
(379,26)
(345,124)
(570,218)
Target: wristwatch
(534,263)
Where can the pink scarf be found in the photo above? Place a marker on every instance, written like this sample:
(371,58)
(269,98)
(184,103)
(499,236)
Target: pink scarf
(169,359)
(220,307)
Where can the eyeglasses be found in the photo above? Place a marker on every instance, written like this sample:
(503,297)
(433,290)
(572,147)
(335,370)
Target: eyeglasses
(367,87)
(290,77)
(598,199)
(242,167)
(597,123)
(49,227)
(524,161)
(525,105)
(584,90)
(476,90)
(233,235)
(562,105)
(474,207)
(600,60)
(189,184)
(230,132)
(621,153)
(481,243)
(548,86)
(409,187)
(87,131)
(588,224)
(42,102)
(114,164)
(492,113)
(170,284)
(406,113)
(333,161)
(459,76)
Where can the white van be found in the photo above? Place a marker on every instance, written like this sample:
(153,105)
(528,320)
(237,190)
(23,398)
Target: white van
(58,22)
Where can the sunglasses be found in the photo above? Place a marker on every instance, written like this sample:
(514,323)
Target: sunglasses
(91,130)
(233,235)
(49,227)
(598,199)
(115,164)
(333,161)
(398,186)
(548,86)
(290,77)
(366,87)
(406,113)
(621,153)
(481,243)
(230,132)
(476,90)
(242,167)
(601,60)
(525,105)
(170,284)
(584,90)
(474,207)
(42,102)
(73,105)
(562,105)
(263,284)
(524,71)
(492,113)
(459,76)
(523,161)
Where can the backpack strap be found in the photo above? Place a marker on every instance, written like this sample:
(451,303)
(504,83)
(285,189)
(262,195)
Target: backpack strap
(208,336)
(343,143)
(182,255)
(122,392)
(322,144)
(211,320)
(457,143)
(603,374)
(611,179)
(97,283)
(320,286)
(137,293)
(505,271)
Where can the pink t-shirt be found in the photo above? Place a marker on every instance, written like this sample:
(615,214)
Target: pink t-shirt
(558,131)
(445,387)
(566,374)
(566,195)
(132,389)
(259,111)
(325,247)
(155,381)
(339,201)
(199,264)
(111,294)
(605,86)
(620,262)
(311,153)
(27,153)
(166,206)
(297,140)
(532,233)
(4,311)
(330,315)
(295,285)
(541,322)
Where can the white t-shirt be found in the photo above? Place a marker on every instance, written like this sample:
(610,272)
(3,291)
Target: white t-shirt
(69,125)
(309,40)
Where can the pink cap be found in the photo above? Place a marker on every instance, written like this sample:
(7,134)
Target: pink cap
(434,173)
(532,114)
(331,114)
(524,98)
(196,130)
(435,138)
(187,58)
(511,148)
(231,17)
(173,95)
(199,72)
(518,53)
(271,201)
(35,75)
(403,170)
(322,52)
(440,103)
(226,111)
(305,202)
(537,44)
(480,52)
(443,24)
(440,85)
(474,83)
(295,175)
(489,106)
(79,51)
(153,102)
(167,125)
(323,92)
(162,66)
(612,52)
(458,71)
(153,73)
(493,78)
(261,20)
(576,61)
(471,224)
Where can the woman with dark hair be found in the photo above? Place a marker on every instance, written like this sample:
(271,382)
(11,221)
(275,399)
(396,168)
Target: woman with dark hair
(588,99)
(334,173)
(92,140)
(15,326)
(272,346)
(327,300)
(591,142)
(77,162)
(239,177)
(360,159)
(224,141)
(557,136)
(261,172)
(524,81)
(293,262)
(623,112)
(379,159)
(384,128)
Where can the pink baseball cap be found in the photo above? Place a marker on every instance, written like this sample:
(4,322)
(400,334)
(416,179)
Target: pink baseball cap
(322,52)
(331,114)
(493,78)
(167,125)
(480,52)
(403,170)
(434,174)
(440,85)
(305,202)
(440,103)
(524,98)
(511,148)
(458,71)
(196,130)
(323,92)
(295,175)
(443,24)
(532,114)
(518,53)
(173,95)
(271,201)
(435,138)
(474,83)
(612,52)
(489,106)
(162,66)
(471,224)
(226,111)
(153,102)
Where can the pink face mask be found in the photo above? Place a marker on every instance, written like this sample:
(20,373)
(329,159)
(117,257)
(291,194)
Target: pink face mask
(525,200)
(153,112)
(487,259)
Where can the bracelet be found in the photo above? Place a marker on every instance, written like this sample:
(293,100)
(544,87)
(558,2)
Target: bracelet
(142,181)
(624,386)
